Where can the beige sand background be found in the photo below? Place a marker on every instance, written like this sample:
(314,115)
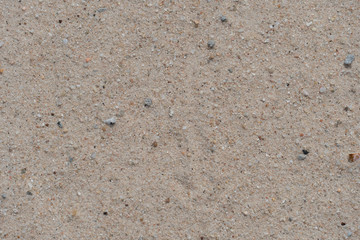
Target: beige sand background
(215,156)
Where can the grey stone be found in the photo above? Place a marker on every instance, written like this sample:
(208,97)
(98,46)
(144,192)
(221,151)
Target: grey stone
(223,19)
(349,59)
(110,121)
(301,157)
(211,44)
(147,102)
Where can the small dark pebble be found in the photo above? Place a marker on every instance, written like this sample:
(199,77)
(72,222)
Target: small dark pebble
(223,19)
(147,102)
(211,44)
(23,171)
(100,10)
(29,193)
(306,152)
(230,70)
(343,224)
(105,213)
(154,144)
(348,60)
(290,219)
(71,159)
(59,124)
(3,195)
(346,109)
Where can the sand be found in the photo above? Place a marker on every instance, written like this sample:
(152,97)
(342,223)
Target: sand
(219,150)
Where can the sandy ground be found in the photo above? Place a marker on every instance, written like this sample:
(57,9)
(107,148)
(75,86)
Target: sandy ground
(213,117)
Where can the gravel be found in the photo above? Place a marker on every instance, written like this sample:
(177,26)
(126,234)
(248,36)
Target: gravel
(147,102)
(349,59)
(301,157)
(110,121)
(223,19)
(211,44)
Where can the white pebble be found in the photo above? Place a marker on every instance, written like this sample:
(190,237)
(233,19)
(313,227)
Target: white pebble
(322,89)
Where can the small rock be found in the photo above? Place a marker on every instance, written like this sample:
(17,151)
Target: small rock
(171,113)
(349,59)
(245,213)
(59,124)
(301,157)
(110,121)
(3,195)
(147,102)
(306,93)
(322,90)
(65,41)
(1,44)
(29,193)
(211,44)
(71,159)
(306,152)
(100,10)
(223,19)
(93,155)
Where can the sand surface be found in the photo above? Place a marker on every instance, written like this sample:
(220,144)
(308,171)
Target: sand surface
(211,107)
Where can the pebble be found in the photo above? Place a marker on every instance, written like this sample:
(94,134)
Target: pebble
(1,44)
(59,124)
(301,157)
(110,121)
(306,93)
(322,90)
(211,44)
(147,102)
(93,155)
(3,195)
(223,19)
(29,193)
(349,59)
(100,10)
(171,113)
(65,41)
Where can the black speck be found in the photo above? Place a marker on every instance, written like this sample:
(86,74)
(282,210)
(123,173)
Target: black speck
(346,109)
(126,205)
(29,193)
(288,84)
(60,21)
(105,213)
(305,151)
(343,224)
(59,124)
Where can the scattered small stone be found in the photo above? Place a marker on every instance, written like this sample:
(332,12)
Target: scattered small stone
(59,124)
(245,213)
(301,157)
(29,193)
(71,159)
(223,19)
(349,234)
(100,10)
(211,44)
(349,59)
(3,196)
(65,41)
(105,213)
(93,155)
(147,102)
(1,44)
(171,113)
(230,70)
(306,152)
(110,121)
(154,144)
(23,171)
(167,200)
(354,157)
(322,90)
(306,93)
